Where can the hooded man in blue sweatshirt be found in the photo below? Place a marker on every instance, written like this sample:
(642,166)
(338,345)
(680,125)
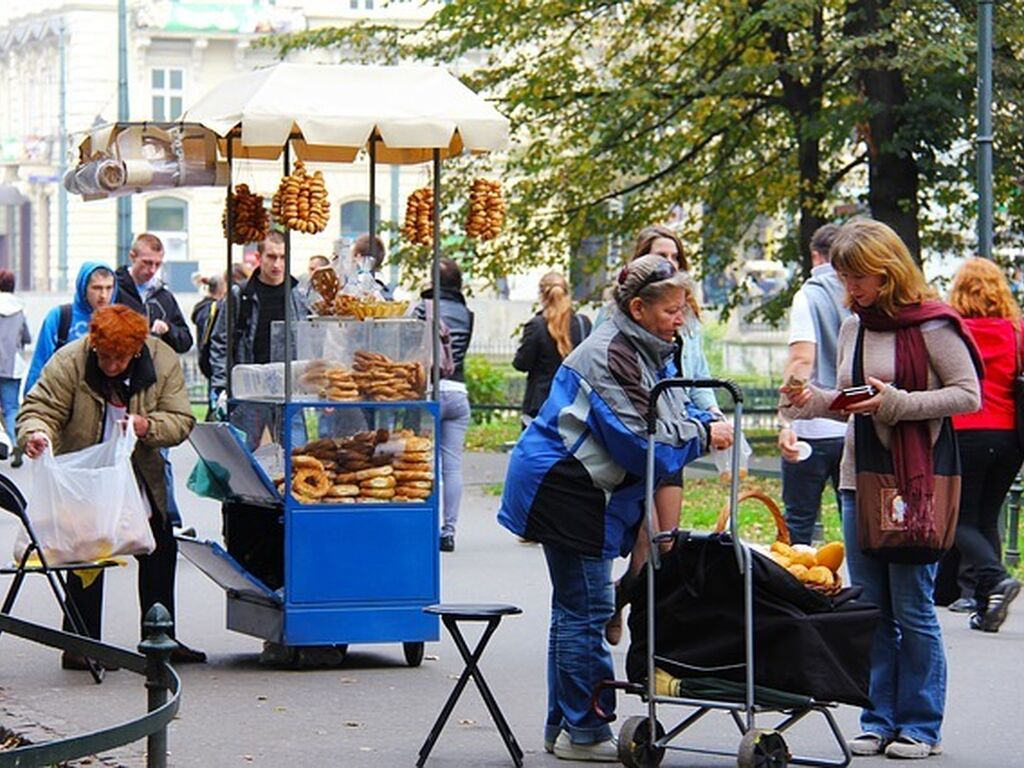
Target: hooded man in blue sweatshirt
(94,288)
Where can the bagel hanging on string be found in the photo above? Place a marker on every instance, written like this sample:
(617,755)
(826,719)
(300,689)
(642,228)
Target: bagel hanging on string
(418,227)
(249,220)
(300,202)
(486,214)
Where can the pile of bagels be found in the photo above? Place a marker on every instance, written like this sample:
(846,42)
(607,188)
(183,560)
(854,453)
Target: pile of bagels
(815,568)
(418,227)
(300,202)
(368,467)
(486,213)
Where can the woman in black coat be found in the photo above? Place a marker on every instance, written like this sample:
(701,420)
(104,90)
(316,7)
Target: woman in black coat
(548,337)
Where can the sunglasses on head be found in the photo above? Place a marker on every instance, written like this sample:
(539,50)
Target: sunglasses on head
(663,271)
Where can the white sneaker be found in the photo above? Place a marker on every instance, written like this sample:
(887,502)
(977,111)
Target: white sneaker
(867,743)
(907,748)
(599,752)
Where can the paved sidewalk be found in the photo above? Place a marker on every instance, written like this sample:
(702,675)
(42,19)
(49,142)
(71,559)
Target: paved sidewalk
(374,711)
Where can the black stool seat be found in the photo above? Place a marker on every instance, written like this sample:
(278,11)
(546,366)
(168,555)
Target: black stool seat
(451,614)
(473,611)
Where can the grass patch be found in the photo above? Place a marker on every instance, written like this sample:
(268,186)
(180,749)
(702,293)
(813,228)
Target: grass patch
(491,436)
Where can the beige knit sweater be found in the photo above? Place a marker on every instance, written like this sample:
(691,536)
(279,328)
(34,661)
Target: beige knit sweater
(952,385)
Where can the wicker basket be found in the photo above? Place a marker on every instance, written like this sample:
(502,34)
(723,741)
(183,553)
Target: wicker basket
(782,532)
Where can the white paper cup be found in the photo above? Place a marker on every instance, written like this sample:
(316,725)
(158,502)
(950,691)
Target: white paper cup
(804,450)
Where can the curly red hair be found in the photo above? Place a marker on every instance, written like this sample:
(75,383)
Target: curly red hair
(980,289)
(118,331)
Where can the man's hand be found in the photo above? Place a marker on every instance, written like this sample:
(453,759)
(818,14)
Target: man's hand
(139,423)
(37,443)
(721,434)
(159,328)
(787,445)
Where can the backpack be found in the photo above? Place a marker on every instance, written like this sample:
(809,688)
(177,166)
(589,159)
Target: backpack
(63,326)
(205,335)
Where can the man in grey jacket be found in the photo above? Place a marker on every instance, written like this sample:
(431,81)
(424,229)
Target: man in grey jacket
(817,312)
(257,305)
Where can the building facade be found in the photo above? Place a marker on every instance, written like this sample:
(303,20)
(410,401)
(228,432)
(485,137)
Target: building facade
(59,75)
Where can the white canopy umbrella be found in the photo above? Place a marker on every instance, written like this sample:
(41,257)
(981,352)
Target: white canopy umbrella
(331,112)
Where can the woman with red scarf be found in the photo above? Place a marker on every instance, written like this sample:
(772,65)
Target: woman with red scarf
(918,355)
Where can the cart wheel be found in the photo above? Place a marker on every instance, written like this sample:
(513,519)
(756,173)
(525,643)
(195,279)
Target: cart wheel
(342,650)
(413,653)
(636,748)
(762,749)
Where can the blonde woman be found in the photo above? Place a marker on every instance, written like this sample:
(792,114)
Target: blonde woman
(548,337)
(916,353)
(990,452)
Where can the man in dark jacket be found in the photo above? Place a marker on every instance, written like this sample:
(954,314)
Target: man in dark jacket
(140,287)
(257,304)
(454,397)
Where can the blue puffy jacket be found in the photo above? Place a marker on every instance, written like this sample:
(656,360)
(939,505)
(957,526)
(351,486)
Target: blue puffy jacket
(81,314)
(576,477)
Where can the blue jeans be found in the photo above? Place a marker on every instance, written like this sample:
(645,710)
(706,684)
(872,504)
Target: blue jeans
(908,662)
(454,422)
(803,483)
(9,389)
(582,601)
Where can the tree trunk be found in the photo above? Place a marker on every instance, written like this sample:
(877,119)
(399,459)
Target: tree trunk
(893,172)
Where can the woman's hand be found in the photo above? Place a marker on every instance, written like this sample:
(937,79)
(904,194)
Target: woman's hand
(870,406)
(37,443)
(139,423)
(721,434)
(797,398)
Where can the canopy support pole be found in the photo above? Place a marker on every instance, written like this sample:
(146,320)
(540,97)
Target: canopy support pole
(288,319)
(372,211)
(230,319)
(436,279)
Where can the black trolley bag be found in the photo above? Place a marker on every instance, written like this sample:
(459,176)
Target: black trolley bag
(805,643)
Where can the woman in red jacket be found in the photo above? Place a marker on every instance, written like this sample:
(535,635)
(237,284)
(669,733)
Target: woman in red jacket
(990,451)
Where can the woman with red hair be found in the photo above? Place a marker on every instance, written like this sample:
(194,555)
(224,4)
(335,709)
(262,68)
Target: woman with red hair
(116,377)
(990,450)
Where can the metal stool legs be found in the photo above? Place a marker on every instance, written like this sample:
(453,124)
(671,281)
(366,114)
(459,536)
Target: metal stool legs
(472,670)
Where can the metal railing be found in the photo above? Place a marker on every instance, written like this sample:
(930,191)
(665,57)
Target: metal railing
(162,683)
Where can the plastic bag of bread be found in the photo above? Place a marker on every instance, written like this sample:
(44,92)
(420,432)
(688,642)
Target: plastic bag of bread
(87,505)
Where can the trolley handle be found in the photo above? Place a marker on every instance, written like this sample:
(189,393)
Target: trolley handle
(679,383)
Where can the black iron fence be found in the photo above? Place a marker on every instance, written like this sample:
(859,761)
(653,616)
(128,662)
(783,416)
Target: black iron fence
(162,683)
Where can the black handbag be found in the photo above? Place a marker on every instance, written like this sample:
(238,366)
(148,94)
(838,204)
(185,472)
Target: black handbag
(1018,386)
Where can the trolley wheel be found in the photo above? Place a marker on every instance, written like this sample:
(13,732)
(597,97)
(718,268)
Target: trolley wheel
(413,653)
(636,747)
(341,649)
(762,749)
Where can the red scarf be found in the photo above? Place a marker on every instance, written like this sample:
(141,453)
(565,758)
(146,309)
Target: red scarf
(911,442)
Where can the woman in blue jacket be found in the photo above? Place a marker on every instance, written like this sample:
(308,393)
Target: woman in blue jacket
(575,484)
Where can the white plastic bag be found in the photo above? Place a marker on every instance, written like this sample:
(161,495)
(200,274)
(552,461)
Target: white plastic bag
(723,460)
(87,505)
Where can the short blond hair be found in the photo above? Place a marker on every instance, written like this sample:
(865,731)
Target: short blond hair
(869,247)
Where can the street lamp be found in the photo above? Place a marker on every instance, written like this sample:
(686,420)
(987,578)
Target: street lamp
(984,135)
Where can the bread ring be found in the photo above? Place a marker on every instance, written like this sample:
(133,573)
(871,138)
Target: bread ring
(344,489)
(405,474)
(311,482)
(345,477)
(427,484)
(407,466)
(416,456)
(377,493)
(307,462)
(415,444)
(378,482)
(413,493)
(366,474)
